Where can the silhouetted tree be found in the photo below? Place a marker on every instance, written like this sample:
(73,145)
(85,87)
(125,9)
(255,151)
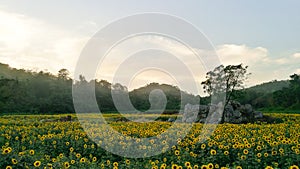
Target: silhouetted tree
(225,80)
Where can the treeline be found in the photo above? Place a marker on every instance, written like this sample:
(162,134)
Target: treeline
(24,91)
(274,96)
(42,92)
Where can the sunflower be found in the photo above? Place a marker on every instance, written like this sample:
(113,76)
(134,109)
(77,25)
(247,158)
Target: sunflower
(14,161)
(174,166)
(5,151)
(21,153)
(9,149)
(49,165)
(66,164)
(94,159)
(72,161)
(82,160)
(187,164)
(269,167)
(8,167)
(226,153)
(281,150)
(294,167)
(204,167)
(31,152)
(238,167)
(37,163)
(258,148)
(210,165)
(213,152)
(245,151)
(177,152)
(258,155)
(274,153)
(115,164)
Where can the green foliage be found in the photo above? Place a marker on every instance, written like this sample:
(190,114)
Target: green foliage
(140,97)
(31,92)
(289,97)
(23,91)
(225,80)
(274,95)
(269,87)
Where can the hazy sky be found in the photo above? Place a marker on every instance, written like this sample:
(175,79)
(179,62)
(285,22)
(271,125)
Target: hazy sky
(49,35)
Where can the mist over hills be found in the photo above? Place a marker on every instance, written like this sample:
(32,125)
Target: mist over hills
(24,91)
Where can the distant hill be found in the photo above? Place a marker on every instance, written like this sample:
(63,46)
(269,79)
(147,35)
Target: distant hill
(269,87)
(35,92)
(140,97)
(22,74)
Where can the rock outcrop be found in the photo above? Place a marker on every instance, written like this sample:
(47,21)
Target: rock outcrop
(234,112)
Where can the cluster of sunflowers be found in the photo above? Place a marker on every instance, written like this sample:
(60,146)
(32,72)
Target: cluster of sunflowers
(28,142)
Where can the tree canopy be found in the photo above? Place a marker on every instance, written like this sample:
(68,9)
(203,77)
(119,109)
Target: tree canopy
(225,80)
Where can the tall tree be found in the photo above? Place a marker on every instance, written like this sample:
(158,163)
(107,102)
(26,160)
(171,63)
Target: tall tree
(225,80)
(63,74)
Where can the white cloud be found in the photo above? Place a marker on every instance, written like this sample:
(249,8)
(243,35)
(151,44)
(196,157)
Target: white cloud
(282,60)
(296,55)
(30,43)
(236,54)
(262,66)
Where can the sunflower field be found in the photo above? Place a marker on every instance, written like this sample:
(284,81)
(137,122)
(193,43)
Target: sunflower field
(27,141)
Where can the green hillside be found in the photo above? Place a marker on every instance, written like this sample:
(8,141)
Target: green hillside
(269,87)
(24,91)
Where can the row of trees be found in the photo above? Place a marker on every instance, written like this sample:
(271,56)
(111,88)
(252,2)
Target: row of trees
(289,97)
(46,93)
(42,92)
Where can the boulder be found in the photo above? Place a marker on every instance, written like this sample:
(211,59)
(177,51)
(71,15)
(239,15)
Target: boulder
(171,119)
(190,113)
(234,112)
(258,115)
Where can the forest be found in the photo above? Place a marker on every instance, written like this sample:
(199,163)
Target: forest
(24,91)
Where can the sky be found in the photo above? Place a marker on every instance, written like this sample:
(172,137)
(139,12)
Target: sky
(50,35)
